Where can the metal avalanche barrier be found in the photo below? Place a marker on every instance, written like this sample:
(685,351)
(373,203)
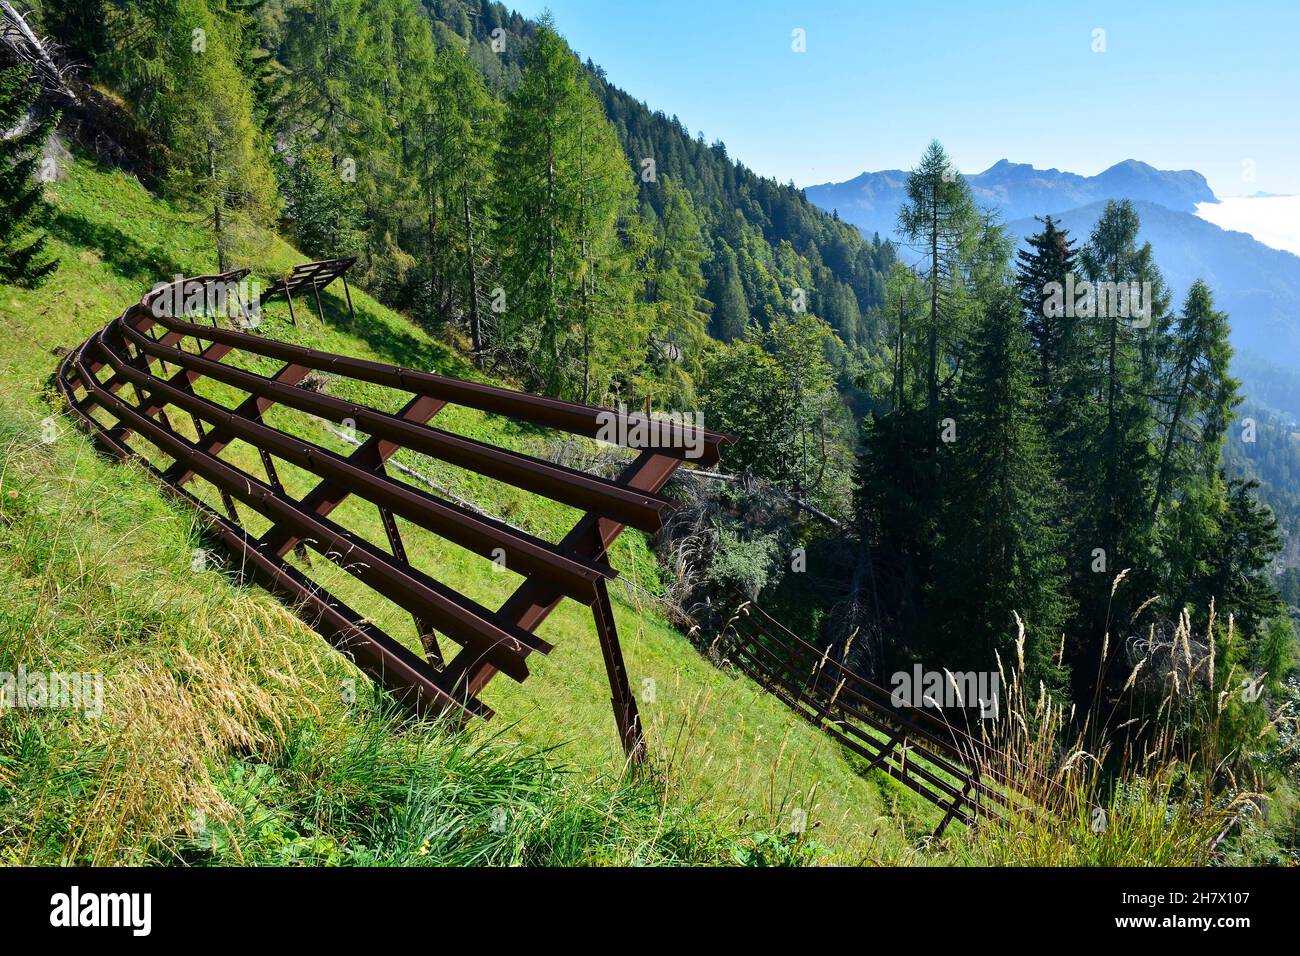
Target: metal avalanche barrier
(176,395)
(964,776)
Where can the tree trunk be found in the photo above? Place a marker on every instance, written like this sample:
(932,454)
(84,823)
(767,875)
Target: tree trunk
(932,386)
(471,275)
(1162,476)
(216,209)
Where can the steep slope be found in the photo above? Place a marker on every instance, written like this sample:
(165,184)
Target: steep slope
(725,748)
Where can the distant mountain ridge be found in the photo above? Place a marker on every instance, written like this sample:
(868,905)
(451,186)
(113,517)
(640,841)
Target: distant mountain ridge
(1257,285)
(870,201)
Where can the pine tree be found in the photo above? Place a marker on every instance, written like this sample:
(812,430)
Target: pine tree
(904,300)
(23,260)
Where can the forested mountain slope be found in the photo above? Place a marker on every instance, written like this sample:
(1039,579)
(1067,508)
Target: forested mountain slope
(765,239)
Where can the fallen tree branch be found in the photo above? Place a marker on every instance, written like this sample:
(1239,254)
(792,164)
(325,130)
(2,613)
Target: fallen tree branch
(29,48)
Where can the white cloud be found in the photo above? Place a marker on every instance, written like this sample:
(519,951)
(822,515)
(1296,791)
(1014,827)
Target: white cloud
(1273,220)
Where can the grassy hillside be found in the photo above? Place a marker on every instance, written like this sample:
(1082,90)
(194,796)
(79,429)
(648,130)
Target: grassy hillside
(225,735)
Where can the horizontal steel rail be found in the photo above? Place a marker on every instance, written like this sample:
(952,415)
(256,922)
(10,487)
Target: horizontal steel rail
(670,438)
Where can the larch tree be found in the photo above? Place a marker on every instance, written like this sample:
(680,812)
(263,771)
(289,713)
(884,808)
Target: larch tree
(459,136)
(938,218)
(218,159)
(674,289)
(563,188)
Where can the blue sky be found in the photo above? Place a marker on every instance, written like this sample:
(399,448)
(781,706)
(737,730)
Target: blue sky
(1208,86)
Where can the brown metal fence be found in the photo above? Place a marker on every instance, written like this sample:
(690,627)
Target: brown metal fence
(149,370)
(965,776)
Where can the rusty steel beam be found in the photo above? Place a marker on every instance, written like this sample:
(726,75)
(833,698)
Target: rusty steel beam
(566,485)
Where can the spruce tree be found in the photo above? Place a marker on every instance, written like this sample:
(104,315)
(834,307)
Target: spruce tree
(999,550)
(1104,446)
(23,259)
(1049,259)
(1118,477)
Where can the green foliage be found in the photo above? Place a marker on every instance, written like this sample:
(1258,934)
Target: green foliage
(999,551)
(23,256)
(674,285)
(563,189)
(323,208)
(1082,441)
(178,61)
(777,395)
(1265,445)
(743,563)
(1050,258)
(781,849)
(455,147)
(939,219)
(730,310)
(372,797)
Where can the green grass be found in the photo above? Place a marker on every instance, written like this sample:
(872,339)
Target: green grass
(95,567)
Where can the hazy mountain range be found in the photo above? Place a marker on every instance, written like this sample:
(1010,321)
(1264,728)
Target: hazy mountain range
(871,200)
(1257,285)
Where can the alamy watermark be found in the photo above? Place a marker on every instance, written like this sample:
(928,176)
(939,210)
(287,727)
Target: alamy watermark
(683,430)
(945,689)
(1100,300)
(52,690)
(75,908)
(223,299)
